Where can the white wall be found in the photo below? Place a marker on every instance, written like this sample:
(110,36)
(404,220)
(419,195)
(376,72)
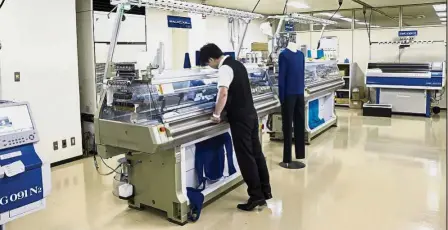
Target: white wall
(212,29)
(39,40)
(131,30)
(345,40)
(158,31)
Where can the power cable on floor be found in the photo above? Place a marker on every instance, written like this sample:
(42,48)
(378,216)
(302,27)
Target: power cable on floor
(114,170)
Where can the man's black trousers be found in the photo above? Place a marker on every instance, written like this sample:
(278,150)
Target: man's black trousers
(293,114)
(250,157)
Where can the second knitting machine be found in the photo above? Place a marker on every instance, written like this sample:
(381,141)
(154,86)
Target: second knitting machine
(322,79)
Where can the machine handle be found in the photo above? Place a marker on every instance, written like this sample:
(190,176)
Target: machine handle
(326,87)
(266,104)
(174,131)
(188,127)
(200,130)
(267,109)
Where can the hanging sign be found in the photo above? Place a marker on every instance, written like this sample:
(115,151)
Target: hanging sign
(407,33)
(179,22)
(289,26)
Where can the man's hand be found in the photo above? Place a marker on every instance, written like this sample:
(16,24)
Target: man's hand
(216,119)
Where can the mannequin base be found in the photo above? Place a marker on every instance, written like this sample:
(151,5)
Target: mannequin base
(292,165)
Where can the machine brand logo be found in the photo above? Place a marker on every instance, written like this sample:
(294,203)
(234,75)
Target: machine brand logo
(179,22)
(14,197)
(407,33)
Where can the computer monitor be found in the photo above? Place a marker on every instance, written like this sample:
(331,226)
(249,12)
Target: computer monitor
(15,119)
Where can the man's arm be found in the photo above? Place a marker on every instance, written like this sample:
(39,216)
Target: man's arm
(221,100)
(225,78)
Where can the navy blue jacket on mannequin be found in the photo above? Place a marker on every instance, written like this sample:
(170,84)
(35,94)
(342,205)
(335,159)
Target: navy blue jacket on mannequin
(291,86)
(291,78)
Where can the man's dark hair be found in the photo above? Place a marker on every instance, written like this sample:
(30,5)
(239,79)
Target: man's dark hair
(208,51)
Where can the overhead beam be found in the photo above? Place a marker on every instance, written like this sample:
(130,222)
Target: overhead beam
(378,11)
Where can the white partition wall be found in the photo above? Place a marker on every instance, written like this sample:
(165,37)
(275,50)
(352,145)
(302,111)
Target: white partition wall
(345,41)
(210,29)
(158,31)
(39,41)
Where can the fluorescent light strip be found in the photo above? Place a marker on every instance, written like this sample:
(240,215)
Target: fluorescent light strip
(348,19)
(443,19)
(298,5)
(304,19)
(441,14)
(440,7)
(371,26)
(330,15)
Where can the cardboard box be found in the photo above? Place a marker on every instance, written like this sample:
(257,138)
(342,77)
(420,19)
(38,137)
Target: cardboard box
(356,104)
(342,101)
(259,46)
(358,93)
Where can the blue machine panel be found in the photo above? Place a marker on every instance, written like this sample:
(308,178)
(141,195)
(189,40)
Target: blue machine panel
(402,81)
(26,187)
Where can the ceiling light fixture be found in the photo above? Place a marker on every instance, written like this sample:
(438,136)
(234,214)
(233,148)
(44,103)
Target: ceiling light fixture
(330,15)
(441,14)
(298,5)
(443,19)
(362,23)
(439,7)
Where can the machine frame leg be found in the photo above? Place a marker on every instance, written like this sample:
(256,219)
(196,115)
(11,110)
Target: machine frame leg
(2,227)
(159,169)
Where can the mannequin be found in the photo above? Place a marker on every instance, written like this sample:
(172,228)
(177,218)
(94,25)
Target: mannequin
(292,46)
(291,92)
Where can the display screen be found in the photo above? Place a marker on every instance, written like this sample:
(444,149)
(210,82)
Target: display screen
(15,119)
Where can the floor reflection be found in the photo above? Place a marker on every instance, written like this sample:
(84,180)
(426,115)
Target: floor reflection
(368,173)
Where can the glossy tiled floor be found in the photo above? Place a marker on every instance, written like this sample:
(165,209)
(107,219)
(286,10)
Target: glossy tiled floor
(369,173)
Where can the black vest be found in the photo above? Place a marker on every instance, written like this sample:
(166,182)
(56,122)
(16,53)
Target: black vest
(240,103)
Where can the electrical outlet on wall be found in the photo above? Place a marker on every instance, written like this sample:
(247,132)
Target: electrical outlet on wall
(72,141)
(55,145)
(64,143)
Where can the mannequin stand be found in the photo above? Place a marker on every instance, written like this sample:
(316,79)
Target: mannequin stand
(291,165)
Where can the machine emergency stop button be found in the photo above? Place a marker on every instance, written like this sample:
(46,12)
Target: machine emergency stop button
(162,129)
(31,137)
